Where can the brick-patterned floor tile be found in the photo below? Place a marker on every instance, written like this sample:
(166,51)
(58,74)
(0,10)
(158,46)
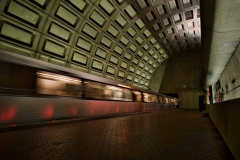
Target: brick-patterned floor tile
(168,135)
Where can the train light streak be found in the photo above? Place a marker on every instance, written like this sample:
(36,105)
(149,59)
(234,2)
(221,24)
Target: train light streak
(121,85)
(73,110)
(107,109)
(58,77)
(91,111)
(7,114)
(48,111)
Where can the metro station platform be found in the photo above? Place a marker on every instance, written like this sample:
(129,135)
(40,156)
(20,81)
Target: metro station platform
(167,135)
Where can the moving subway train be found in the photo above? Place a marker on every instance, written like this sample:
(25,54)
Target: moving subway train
(32,90)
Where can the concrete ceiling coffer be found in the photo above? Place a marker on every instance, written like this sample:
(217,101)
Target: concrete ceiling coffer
(97,36)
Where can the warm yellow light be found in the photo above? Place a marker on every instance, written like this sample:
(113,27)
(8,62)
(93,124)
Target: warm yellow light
(58,77)
(121,85)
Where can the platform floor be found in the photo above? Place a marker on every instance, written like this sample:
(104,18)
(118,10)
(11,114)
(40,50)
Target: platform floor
(167,135)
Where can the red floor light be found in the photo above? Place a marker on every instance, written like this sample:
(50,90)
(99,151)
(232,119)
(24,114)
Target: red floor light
(53,120)
(13,125)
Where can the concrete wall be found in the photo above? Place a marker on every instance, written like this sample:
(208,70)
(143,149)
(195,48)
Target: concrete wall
(157,77)
(225,116)
(183,76)
(183,71)
(220,32)
(189,98)
(231,71)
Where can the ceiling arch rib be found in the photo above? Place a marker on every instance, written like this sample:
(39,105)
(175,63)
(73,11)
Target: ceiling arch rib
(117,39)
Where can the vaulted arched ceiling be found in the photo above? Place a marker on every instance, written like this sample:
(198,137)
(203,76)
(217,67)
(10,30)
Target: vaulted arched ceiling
(124,40)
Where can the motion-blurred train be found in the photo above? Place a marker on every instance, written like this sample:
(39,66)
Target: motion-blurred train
(35,91)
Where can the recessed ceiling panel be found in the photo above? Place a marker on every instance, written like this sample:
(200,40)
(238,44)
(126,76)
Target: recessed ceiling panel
(150,16)
(140,23)
(130,11)
(161,10)
(142,3)
(117,39)
(107,6)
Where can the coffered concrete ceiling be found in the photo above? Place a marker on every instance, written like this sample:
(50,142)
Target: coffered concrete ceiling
(124,40)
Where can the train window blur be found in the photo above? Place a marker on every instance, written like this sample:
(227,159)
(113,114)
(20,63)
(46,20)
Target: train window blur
(166,100)
(137,96)
(160,99)
(106,92)
(150,98)
(175,101)
(171,100)
(17,79)
(56,84)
